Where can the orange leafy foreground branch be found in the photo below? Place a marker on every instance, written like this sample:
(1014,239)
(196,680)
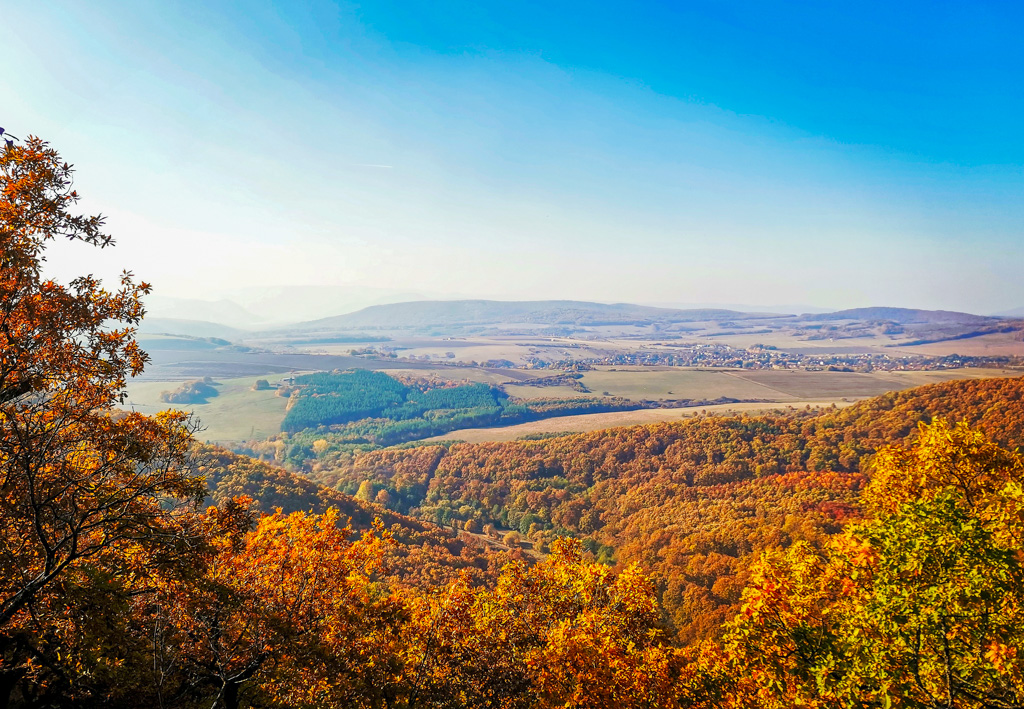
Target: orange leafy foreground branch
(285,612)
(82,491)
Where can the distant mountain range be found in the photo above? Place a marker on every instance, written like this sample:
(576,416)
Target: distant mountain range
(440,313)
(221,318)
(275,306)
(196,310)
(189,328)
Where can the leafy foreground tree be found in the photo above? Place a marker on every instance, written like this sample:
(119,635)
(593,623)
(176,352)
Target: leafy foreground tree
(82,518)
(285,614)
(563,633)
(921,607)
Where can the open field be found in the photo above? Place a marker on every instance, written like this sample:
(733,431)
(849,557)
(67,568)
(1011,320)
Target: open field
(237,413)
(997,344)
(594,422)
(816,385)
(558,392)
(669,383)
(661,383)
(906,380)
(474,374)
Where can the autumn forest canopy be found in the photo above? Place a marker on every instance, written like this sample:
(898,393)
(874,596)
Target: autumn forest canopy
(861,557)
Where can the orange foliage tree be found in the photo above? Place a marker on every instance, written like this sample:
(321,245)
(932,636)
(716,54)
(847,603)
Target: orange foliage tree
(562,633)
(80,487)
(285,614)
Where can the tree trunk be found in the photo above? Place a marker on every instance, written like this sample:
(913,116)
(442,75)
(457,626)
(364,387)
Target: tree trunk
(231,695)
(8,679)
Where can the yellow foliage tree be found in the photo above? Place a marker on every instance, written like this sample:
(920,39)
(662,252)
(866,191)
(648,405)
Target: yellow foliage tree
(285,615)
(563,633)
(922,606)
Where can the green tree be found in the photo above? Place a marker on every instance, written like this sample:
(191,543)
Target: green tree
(922,606)
(365,493)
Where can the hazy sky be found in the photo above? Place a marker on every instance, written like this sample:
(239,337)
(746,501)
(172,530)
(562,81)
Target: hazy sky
(836,154)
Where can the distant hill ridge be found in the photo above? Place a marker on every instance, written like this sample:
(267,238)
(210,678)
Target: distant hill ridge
(189,328)
(463,313)
(903,316)
(545,312)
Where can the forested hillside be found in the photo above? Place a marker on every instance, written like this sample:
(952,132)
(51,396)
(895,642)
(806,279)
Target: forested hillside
(695,502)
(323,399)
(424,555)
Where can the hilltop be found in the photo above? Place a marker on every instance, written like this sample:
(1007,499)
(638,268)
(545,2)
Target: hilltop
(903,316)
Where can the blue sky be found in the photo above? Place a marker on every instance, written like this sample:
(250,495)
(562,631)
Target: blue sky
(833,154)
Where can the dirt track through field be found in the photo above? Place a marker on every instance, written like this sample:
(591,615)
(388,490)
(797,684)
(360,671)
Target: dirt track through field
(593,422)
(778,393)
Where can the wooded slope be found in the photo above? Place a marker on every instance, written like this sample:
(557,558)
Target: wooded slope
(695,501)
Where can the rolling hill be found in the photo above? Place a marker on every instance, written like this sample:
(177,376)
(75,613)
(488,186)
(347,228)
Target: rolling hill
(429,313)
(904,316)
(424,554)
